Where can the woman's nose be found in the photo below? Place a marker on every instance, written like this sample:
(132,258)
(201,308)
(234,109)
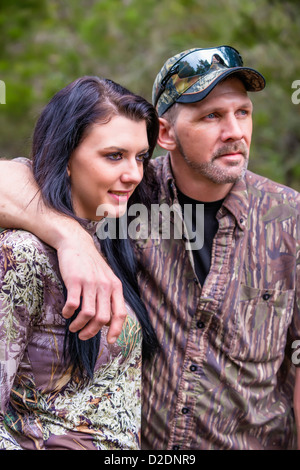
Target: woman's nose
(133,172)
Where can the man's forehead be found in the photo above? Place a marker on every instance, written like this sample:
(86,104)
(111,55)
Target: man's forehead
(232,88)
(229,85)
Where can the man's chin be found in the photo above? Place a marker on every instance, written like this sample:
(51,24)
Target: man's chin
(226,176)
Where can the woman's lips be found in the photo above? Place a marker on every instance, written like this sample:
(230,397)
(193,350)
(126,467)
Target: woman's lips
(120,195)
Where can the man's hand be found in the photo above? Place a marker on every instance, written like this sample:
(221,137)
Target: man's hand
(86,275)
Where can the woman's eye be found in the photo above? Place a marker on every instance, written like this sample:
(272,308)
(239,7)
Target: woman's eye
(114,156)
(142,157)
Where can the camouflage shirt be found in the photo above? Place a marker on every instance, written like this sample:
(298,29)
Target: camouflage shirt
(224,376)
(41,407)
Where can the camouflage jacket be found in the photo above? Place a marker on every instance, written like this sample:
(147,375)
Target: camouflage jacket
(224,376)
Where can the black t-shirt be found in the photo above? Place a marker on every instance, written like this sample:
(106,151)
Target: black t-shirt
(202,256)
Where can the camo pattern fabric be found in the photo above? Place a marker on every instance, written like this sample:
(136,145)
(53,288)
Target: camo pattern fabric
(41,407)
(224,376)
(194,84)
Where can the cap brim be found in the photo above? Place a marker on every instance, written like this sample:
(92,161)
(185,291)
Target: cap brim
(252,80)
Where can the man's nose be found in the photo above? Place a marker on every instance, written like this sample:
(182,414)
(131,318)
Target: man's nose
(232,129)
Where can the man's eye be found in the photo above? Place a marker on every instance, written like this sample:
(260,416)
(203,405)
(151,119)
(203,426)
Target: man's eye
(211,116)
(243,112)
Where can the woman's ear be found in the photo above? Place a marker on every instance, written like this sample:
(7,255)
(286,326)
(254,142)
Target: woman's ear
(166,136)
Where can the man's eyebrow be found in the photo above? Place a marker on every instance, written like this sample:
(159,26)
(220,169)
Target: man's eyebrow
(210,108)
(247,104)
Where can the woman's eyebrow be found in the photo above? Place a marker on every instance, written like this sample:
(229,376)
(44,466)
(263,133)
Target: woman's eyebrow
(123,150)
(115,148)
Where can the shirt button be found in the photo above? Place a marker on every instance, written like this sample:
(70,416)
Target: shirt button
(200,324)
(185,411)
(266,296)
(193,368)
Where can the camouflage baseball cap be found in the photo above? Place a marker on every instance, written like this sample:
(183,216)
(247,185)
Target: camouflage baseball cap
(192,74)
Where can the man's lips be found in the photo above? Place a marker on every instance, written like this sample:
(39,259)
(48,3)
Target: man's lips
(231,154)
(232,151)
(231,159)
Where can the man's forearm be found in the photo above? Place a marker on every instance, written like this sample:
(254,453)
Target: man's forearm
(17,190)
(21,206)
(87,277)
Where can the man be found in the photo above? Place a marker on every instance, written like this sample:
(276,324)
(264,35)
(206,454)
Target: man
(226,313)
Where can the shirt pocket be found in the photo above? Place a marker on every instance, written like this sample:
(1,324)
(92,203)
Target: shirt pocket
(261,323)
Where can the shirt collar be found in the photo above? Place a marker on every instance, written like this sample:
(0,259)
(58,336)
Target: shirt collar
(237,202)
(169,190)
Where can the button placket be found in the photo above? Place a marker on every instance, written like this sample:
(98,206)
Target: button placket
(266,296)
(200,324)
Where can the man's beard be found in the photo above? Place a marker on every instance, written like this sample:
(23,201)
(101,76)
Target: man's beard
(213,172)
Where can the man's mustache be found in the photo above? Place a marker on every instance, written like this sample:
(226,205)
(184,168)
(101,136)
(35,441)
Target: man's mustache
(236,147)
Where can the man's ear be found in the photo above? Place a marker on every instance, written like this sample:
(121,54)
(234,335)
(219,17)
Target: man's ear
(166,136)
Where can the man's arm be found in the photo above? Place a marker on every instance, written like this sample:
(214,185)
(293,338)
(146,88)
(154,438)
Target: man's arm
(84,272)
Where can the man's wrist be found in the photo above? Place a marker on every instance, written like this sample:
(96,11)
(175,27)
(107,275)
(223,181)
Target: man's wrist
(60,231)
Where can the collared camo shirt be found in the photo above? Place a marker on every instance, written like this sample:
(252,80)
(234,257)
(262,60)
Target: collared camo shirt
(224,376)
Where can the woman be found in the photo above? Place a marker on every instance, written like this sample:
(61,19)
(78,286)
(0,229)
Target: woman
(91,146)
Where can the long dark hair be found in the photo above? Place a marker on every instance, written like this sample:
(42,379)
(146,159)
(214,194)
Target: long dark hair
(60,128)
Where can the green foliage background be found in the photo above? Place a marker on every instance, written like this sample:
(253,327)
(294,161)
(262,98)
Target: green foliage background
(47,44)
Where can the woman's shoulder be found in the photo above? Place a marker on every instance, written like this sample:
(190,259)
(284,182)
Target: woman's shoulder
(19,247)
(16,236)
(25,275)
(23,241)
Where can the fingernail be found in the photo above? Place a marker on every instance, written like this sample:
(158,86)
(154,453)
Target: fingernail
(83,337)
(112,340)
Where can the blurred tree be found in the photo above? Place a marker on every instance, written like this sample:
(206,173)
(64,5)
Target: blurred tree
(47,44)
